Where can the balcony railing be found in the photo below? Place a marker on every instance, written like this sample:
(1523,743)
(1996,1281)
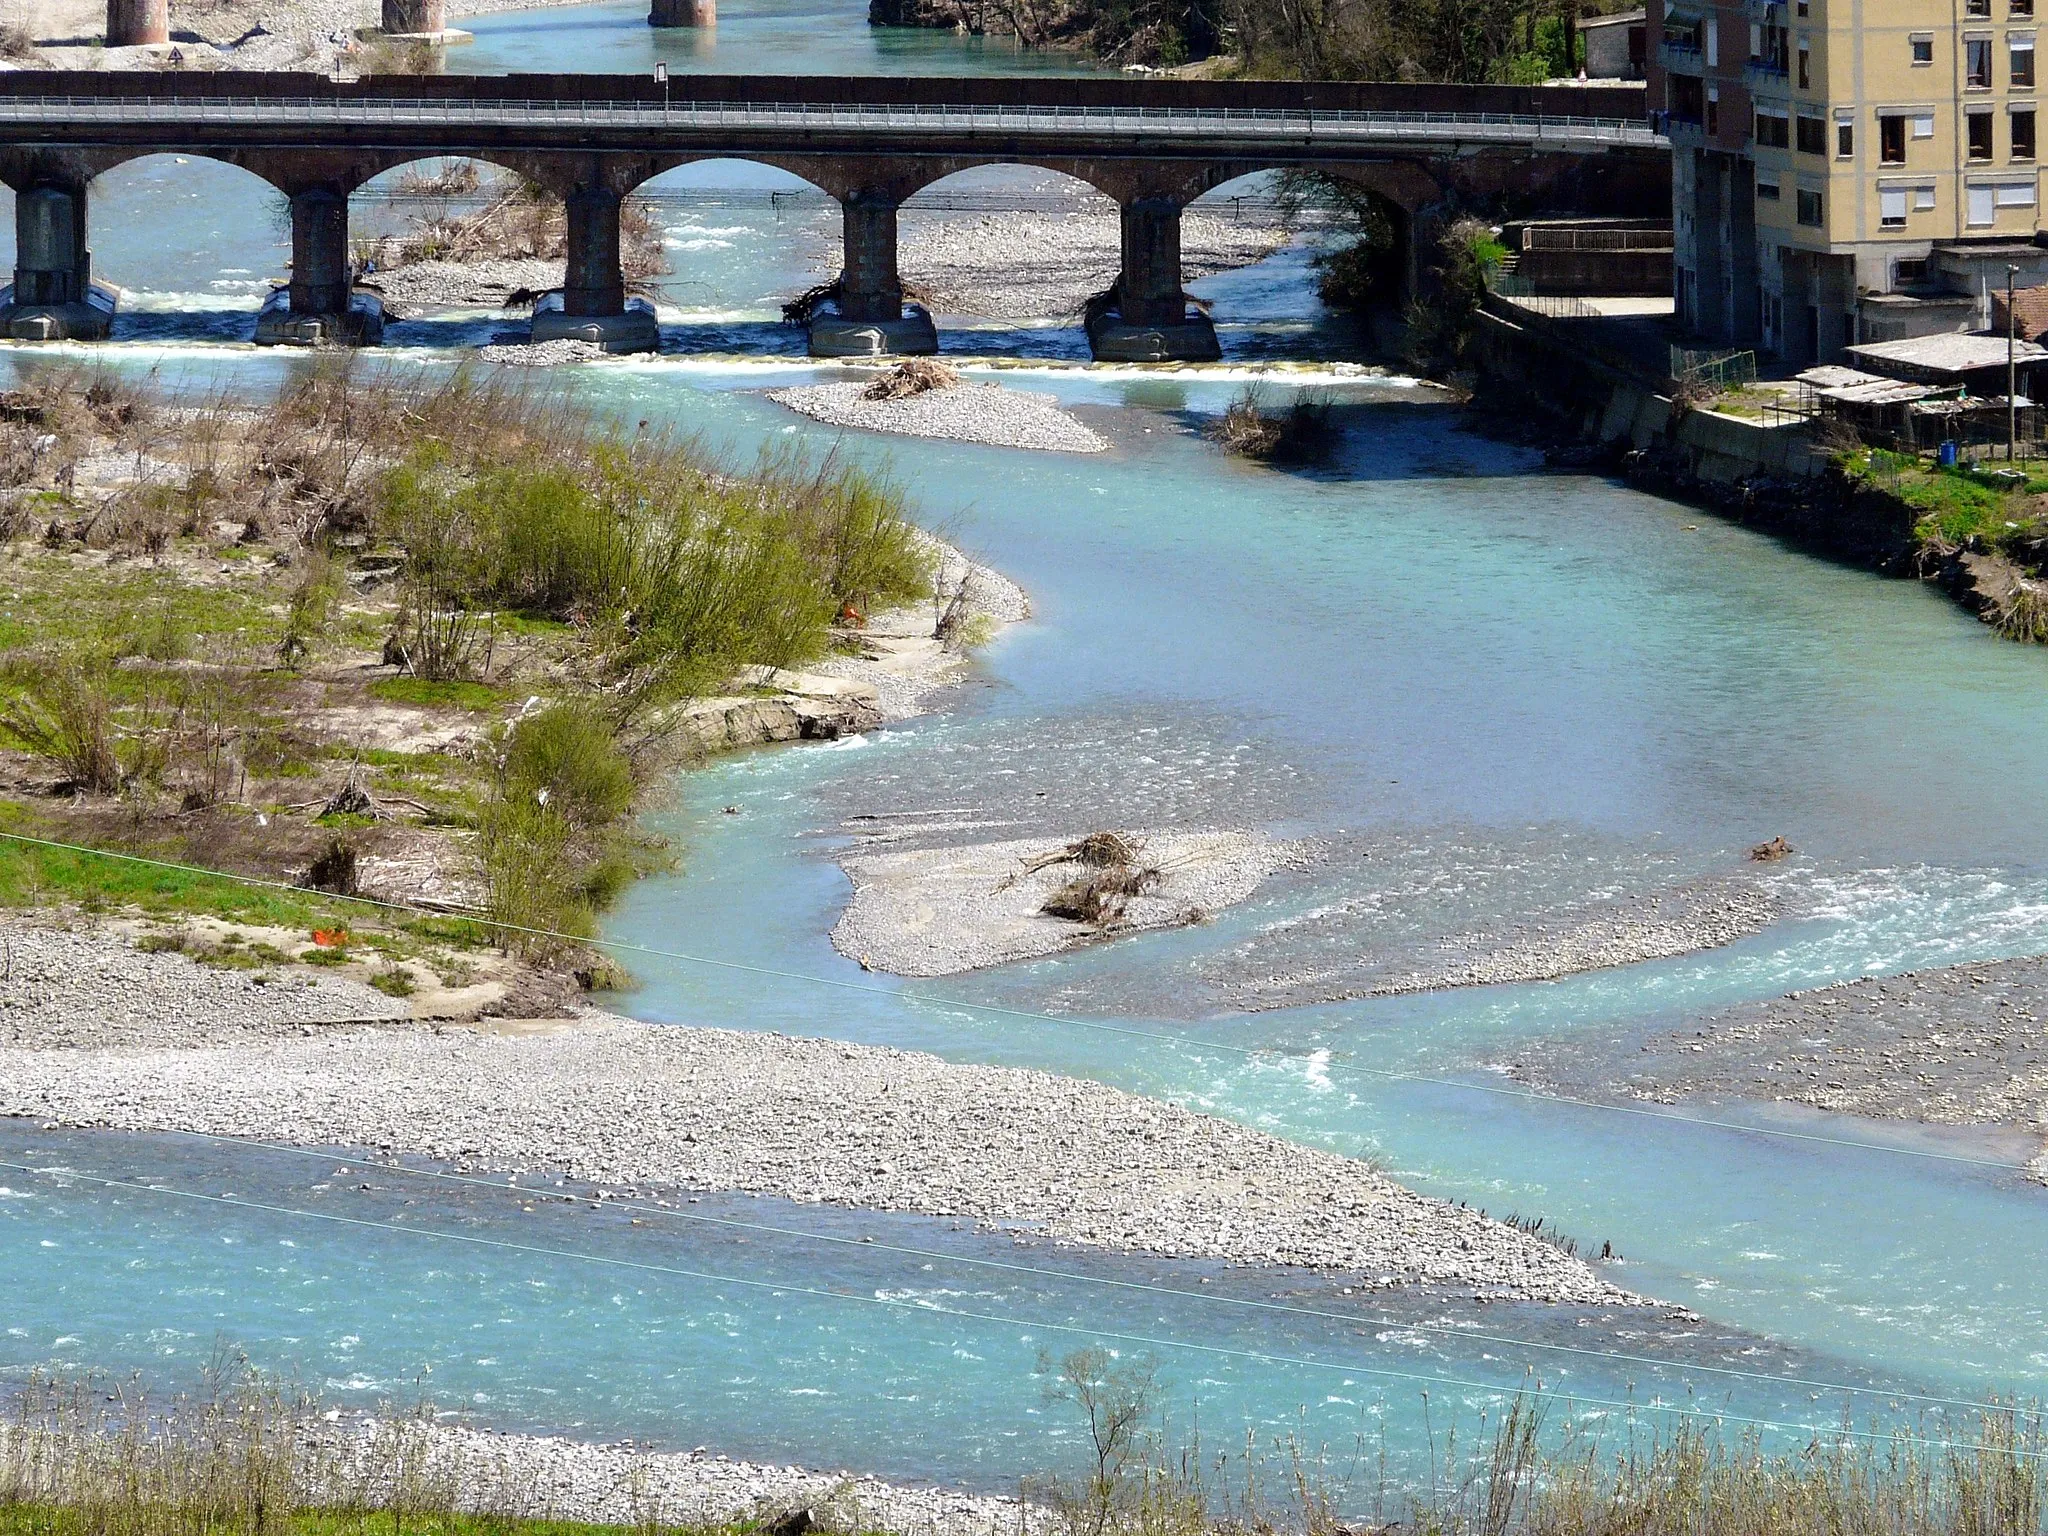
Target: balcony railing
(1762,74)
(1682,58)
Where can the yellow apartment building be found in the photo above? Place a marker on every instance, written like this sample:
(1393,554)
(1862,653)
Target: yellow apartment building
(1891,152)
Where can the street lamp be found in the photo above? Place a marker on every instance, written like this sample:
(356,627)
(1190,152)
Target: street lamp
(2012,371)
(661,77)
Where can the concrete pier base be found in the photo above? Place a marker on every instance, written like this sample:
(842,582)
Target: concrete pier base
(1113,339)
(53,296)
(683,13)
(632,329)
(361,324)
(835,335)
(84,319)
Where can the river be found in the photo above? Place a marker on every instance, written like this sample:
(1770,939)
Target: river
(1486,692)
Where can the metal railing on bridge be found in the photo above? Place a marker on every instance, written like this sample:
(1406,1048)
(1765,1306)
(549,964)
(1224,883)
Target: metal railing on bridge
(1055,121)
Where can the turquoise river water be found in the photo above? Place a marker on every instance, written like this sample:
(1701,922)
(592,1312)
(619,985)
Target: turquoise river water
(1488,691)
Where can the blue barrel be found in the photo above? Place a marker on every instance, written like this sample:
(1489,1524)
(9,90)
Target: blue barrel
(1946,455)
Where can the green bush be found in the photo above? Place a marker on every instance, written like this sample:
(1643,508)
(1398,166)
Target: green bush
(677,574)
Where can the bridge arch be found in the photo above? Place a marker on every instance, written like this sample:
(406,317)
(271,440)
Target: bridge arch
(199,224)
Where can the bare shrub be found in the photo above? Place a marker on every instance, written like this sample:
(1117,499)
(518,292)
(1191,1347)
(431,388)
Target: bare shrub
(63,709)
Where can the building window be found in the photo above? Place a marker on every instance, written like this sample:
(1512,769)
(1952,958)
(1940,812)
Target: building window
(1891,207)
(1977,63)
(1845,138)
(1766,191)
(1923,199)
(1773,129)
(1809,208)
(2023,134)
(1976,7)
(1980,136)
(1908,272)
(2022,51)
(1713,111)
(1805,65)
(1923,125)
(2014,194)
(1982,203)
(1813,135)
(1891,141)
(2020,8)
(1923,48)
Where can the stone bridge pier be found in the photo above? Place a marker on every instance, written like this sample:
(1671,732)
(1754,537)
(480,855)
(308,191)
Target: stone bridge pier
(869,317)
(320,305)
(1147,316)
(592,304)
(53,297)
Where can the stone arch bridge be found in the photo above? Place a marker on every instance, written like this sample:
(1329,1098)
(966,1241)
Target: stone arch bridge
(1153,146)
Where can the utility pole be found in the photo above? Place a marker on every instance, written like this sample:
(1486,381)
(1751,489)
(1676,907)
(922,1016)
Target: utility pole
(2012,371)
(661,74)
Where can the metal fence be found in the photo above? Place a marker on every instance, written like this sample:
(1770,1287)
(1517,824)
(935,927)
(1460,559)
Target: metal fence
(1713,370)
(1054,121)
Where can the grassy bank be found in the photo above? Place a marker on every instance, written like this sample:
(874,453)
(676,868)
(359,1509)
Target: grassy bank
(245,1458)
(425,641)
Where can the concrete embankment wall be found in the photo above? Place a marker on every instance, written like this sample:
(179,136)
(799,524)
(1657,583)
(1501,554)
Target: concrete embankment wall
(1770,477)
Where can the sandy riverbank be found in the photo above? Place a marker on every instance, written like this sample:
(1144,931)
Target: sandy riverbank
(1965,1045)
(968,413)
(616,1102)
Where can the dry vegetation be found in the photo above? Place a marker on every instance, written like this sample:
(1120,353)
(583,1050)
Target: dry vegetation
(421,641)
(469,215)
(243,1458)
(1300,433)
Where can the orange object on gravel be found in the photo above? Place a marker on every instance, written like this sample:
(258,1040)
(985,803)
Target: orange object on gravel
(330,938)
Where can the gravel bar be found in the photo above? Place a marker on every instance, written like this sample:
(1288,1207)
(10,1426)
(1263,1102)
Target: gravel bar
(941,911)
(622,1485)
(966,413)
(621,1102)
(1963,1045)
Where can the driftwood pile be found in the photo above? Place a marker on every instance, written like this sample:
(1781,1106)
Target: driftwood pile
(1111,876)
(912,376)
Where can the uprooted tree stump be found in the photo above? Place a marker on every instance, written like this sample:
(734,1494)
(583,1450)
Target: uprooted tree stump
(1113,877)
(1769,853)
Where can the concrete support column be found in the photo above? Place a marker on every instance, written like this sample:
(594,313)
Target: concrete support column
(869,288)
(320,307)
(1710,286)
(683,13)
(53,298)
(595,285)
(320,270)
(1148,286)
(591,305)
(51,265)
(1745,268)
(407,18)
(134,22)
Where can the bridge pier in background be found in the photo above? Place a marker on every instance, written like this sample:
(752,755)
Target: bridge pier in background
(53,296)
(683,13)
(319,306)
(591,305)
(869,317)
(1147,317)
(138,23)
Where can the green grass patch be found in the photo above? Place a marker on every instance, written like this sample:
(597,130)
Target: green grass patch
(423,694)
